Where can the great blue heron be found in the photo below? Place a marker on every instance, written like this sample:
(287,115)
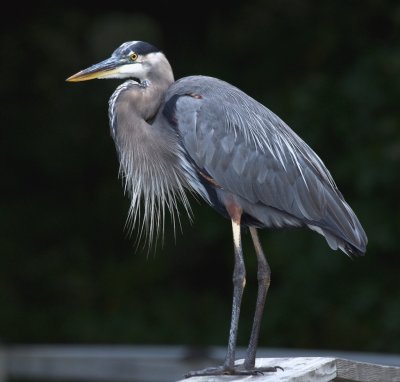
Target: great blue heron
(204,135)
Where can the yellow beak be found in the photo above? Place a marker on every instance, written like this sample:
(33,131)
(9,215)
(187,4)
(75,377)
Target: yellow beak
(105,69)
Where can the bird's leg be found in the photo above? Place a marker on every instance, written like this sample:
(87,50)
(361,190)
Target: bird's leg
(264,279)
(239,282)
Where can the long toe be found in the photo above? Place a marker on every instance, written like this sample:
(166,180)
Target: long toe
(221,370)
(237,370)
(240,370)
(270,369)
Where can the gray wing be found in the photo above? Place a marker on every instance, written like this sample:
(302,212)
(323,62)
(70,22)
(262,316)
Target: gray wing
(246,150)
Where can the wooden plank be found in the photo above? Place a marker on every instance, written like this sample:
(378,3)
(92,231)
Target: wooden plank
(365,372)
(300,369)
(315,369)
(366,357)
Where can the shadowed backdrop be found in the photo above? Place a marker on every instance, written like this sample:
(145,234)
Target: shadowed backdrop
(69,270)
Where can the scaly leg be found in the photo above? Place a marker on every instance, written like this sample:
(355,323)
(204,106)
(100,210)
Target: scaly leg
(239,281)
(264,279)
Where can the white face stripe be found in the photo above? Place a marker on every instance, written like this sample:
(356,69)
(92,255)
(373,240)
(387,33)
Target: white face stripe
(138,69)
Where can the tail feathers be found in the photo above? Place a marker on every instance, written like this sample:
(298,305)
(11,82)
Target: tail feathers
(341,227)
(343,232)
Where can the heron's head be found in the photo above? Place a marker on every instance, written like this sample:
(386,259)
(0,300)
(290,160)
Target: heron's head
(134,59)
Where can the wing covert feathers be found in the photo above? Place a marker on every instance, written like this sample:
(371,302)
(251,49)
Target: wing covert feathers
(251,153)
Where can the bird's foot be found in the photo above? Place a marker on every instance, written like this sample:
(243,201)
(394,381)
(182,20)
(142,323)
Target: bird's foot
(236,370)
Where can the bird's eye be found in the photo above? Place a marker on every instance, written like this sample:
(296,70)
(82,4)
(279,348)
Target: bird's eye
(133,56)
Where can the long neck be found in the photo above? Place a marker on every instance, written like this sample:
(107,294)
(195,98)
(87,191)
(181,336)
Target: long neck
(148,152)
(133,102)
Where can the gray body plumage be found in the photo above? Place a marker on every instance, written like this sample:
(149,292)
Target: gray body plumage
(229,145)
(252,154)
(205,136)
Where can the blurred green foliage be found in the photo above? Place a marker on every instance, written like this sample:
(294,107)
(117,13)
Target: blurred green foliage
(68,270)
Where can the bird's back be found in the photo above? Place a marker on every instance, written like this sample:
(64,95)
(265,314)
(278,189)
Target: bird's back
(240,148)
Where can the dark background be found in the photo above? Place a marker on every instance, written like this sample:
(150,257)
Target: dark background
(70,273)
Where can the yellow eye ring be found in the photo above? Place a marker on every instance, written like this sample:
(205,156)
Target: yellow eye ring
(133,56)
